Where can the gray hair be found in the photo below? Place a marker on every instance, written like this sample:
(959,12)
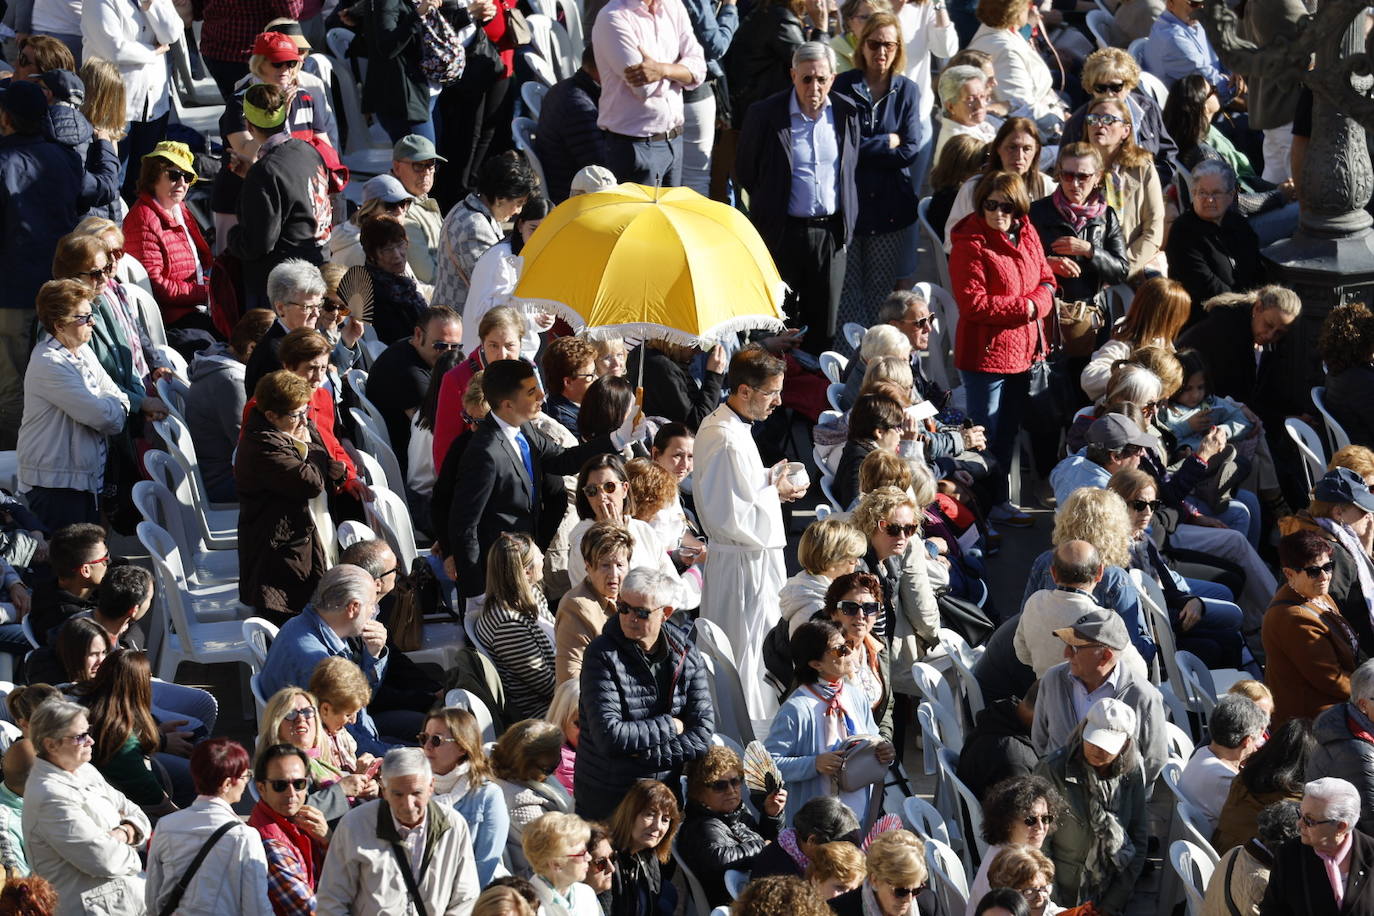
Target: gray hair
(825,817)
(50,720)
(658,588)
(884,340)
(405,761)
(343,585)
(952,80)
(369,555)
(1075,565)
(1276,824)
(293,278)
(896,304)
(813,50)
(1135,384)
(1236,718)
(1217,167)
(1362,682)
(1342,799)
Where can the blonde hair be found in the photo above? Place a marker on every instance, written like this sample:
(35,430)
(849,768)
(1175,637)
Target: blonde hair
(875,506)
(501,900)
(105,105)
(1129,155)
(99,226)
(274,713)
(564,705)
(837,861)
(827,542)
(1017,865)
(897,857)
(1099,517)
(507,583)
(1164,364)
(882,468)
(1266,297)
(888,369)
(923,488)
(880,19)
(340,683)
(547,837)
(1252,690)
(462,727)
(519,749)
(1104,64)
(475,398)
(1355,457)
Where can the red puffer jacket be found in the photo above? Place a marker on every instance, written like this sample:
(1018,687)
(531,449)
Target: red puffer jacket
(992,280)
(161,247)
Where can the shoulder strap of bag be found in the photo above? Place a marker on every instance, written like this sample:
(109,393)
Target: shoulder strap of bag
(1230,900)
(409,877)
(174,900)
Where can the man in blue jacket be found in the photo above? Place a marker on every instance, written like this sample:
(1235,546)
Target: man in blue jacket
(797,155)
(568,139)
(41,198)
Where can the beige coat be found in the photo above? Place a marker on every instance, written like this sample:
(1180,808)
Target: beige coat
(581,615)
(1249,879)
(1142,218)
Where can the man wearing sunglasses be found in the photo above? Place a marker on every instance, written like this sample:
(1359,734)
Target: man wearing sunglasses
(414,162)
(645,697)
(1115,442)
(1328,870)
(293,833)
(1094,648)
(400,375)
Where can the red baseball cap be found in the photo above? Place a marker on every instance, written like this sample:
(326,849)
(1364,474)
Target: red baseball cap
(276,47)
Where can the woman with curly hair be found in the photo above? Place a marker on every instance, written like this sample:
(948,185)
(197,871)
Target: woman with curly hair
(779,895)
(1131,184)
(1029,872)
(1017,812)
(1098,517)
(1346,346)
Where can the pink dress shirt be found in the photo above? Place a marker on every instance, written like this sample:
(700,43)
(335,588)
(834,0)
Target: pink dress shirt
(625,31)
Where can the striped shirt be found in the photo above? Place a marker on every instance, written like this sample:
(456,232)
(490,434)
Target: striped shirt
(522,651)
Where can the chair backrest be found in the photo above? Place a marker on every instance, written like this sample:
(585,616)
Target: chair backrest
(541,35)
(1137,50)
(356,379)
(833,393)
(174,392)
(932,738)
(370,469)
(827,482)
(259,702)
(963,669)
(727,692)
(473,704)
(166,470)
(532,94)
(1164,638)
(735,882)
(971,810)
(572,15)
(940,363)
(1181,746)
(934,243)
(1195,829)
(1194,869)
(824,511)
(833,366)
(388,516)
(1154,87)
(182,448)
(158,505)
(936,690)
(922,818)
(1310,445)
(259,633)
(1100,27)
(177,362)
(1172,773)
(1339,439)
(351,532)
(854,334)
(373,441)
(27,624)
(950,878)
(170,579)
(1199,679)
(566,60)
(524,130)
(700,903)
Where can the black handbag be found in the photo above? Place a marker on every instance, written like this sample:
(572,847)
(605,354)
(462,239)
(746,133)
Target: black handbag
(964,617)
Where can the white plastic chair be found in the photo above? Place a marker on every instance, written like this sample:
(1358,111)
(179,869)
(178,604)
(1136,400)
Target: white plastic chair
(204,567)
(959,653)
(1154,87)
(833,366)
(532,94)
(374,441)
(832,395)
(1137,50)
(735,882)
(700,903)
(1193,824)
(727,692)
(1181,746)
(1208,684)
(177,362)
(473,704)
(572,15)
(211,604)
(350,532)
(854,334)
(970,811)
(1172,774)
(945,310)
(173,392)
(219,524)
(566,59)
(1310,445)
(1100,27)
(950,881)
(259,701)
(390,518)
(1339,439)
(356,379)
(935,690)
(258,634)
(922,818)
(524,130)
(1194,869)
(27,624)
(934,243)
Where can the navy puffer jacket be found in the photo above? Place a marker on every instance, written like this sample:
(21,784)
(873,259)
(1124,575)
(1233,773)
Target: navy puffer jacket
(627,720)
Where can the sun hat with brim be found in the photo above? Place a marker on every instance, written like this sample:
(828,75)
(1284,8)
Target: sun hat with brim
(276,47)
(1344,486)
(179,154)
(261,117)
(293,31)
(415,148)
(1109,724)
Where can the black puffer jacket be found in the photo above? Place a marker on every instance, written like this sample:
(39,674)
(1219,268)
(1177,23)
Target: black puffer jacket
(628,713)
(1106,266)
(712,843)
(1341,754)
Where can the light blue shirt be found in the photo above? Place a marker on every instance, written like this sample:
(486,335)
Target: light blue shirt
(815,162)
(1177,49)
(1083,699)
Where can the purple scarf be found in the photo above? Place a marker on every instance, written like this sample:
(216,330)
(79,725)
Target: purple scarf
(1079,215)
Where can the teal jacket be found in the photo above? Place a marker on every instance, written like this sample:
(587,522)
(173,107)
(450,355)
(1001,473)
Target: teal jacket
(13,858)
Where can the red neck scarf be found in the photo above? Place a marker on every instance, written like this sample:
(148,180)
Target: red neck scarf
(264,817)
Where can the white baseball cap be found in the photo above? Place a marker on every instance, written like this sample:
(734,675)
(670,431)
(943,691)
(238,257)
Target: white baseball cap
(1109,723)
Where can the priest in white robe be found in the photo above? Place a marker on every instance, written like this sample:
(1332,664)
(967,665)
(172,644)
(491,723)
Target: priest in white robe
(739,504)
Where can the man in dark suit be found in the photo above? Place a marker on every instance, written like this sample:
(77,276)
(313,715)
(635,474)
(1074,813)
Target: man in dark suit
(1326,871)
(797,154)
(502,467)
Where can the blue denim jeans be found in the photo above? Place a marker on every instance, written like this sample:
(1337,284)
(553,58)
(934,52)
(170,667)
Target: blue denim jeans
(996,401)
(177,701)
(656,163)
(1216,637)
(1204,589)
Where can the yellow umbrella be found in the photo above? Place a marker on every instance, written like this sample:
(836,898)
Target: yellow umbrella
(651,263)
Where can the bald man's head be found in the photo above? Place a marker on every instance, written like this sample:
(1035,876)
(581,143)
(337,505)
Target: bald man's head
(17,763)
(1076,564)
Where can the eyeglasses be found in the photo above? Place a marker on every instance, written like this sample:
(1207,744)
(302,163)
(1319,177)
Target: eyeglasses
(1035,893)
(97,273)
(286,64)
(894,530)
(1103,120)
(1308,821)
(841,651)
(1074,650)
(389,572)
(1113,88)
(720,785)
(582,854)
(433,741)
(874,44)
(78,740)
(606,486)
(1003,206)
(395,250)
(308,307)
(1077,177)
(297,414)
(1140,505)
(1211,195)
(1195,4)
(1044,820)
(1323,570)
(814,78)
(604,863)
(642,613)
(307,713)
(901,893)
(855,608)
(178,175)
(281,785)
(428,165)
(104,559)
(83,318)
(442,346)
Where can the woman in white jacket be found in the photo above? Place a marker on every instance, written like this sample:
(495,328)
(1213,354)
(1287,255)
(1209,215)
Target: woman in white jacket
(135,36)
(80,834)
(70,406)
(1024,82)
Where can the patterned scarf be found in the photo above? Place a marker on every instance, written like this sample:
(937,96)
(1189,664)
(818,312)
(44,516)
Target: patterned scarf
(838,724)
(1079,215)
(790,845)
(263,816)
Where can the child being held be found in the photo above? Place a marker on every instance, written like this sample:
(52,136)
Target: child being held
(1193,410)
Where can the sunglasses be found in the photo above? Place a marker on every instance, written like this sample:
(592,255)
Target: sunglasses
(854,608)
(605,863)
(1323,570)
(1104,88)
(1103,120)
(331,306)
(443,345)
(99,273)
(918,322)
(83,738)
(87,318)
(608,486)
(841,651)
(1044,820)
(894,530)
(433,741)
(812,78)
(1002,206)
(901,893)
(1309,821)
(306,713)
(1077,177)
(874,44)
(281,785)
(1140,505)
(642,613)
(285,64)
(178,175)
(720,785)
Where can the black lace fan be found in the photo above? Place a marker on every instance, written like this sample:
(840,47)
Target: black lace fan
(355,291)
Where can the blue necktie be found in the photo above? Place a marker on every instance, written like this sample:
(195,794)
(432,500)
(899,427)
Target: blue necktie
(524,445)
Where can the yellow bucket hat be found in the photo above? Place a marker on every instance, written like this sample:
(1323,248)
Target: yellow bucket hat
(179,154)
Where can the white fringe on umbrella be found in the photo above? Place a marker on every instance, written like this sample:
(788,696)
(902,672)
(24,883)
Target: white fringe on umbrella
(649,330)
